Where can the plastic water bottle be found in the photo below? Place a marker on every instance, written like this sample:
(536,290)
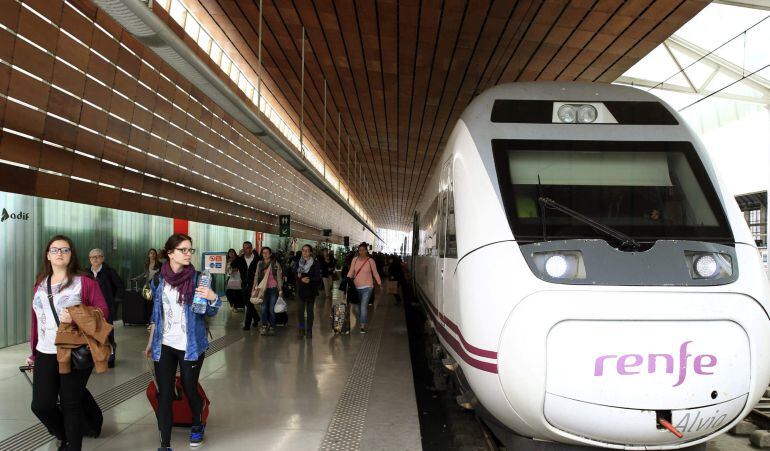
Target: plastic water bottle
(199,303)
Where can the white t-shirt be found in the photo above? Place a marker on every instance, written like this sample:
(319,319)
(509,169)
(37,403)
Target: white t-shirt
(248,260)
(46,323)
(174,319)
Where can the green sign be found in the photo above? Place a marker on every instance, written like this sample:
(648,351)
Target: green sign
(284,226)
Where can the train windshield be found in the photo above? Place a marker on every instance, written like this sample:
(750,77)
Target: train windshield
(647,190)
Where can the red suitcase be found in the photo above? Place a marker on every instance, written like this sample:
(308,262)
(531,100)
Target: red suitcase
(182,414)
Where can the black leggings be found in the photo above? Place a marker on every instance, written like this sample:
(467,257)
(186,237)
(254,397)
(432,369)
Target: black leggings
(251,312)
(305,305)
(165,373)
(47,387)
(234,297)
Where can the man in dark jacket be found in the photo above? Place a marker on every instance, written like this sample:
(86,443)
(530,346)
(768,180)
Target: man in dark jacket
(111,285)
(246,263)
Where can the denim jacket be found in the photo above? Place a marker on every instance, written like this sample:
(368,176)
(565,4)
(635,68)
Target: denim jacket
(197,337)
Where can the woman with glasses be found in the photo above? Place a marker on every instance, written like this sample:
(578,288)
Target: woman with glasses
(59,285)
(178,335)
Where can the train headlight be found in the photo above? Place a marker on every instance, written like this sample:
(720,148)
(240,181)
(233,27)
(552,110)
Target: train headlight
(581,113)
(567,113)
(556,266)
(706,266)
(709,265)
(562,265)
(586,114)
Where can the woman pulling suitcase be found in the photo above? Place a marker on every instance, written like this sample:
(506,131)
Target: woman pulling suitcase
(60,285)
(178,336)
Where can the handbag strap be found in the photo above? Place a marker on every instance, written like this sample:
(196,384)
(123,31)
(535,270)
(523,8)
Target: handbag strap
(50,301)
(360,268)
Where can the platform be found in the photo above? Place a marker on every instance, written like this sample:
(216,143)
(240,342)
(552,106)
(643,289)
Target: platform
(277,392)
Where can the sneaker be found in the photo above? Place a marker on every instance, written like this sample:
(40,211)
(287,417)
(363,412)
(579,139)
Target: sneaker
(61,445)
(196,435)
(165,448)
(363,330)
(263,330)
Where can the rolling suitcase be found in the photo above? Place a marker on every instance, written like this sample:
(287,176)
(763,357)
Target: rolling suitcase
(92,413)
(180,407)
(340,319)
(135,308)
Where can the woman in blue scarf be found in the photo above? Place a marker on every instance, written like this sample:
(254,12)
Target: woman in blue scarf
(308,279)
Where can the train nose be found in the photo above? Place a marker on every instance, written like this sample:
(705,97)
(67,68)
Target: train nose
(614,381)
(632,369)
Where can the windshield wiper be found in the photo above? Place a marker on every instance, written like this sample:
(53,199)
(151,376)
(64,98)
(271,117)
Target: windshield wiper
(626,242)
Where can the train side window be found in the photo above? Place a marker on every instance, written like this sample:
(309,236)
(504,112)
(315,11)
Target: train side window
(451,234)
(447,235)
(441,228)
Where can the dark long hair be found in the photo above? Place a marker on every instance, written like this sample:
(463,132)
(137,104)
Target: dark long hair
(73,268)
(157,259)
(172,242)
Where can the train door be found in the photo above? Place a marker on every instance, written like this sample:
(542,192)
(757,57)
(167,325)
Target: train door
(447,245)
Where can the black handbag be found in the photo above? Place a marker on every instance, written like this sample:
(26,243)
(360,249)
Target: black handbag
(81,356)
(352,292)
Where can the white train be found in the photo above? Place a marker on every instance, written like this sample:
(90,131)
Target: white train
(582,263)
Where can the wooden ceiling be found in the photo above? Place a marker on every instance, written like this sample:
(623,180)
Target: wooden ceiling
(401,72)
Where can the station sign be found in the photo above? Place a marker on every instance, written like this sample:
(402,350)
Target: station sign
(284,226)
(215,262)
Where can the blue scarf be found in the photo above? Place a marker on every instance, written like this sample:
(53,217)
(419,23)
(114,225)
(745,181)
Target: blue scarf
(303,266)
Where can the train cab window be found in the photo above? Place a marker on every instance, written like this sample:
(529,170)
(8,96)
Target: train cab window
(647,190)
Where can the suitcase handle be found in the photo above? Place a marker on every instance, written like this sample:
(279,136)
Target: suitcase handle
(25,370)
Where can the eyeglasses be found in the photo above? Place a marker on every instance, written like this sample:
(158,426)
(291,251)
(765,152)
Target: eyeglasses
(59,250)
(91,257)
(185,250)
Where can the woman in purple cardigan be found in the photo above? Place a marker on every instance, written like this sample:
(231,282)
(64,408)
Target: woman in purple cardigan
(60,271)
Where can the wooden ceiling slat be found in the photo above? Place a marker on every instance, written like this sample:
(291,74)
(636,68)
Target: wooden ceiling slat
(549,14)
(389,46)
(583,33)
(408,17)
(401,73)
(369,41)
(471,33)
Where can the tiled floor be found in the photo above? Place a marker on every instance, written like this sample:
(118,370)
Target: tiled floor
(273,393)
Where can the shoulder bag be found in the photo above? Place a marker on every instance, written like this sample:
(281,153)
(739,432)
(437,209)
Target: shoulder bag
(258,294)
(352,291)
(81,356)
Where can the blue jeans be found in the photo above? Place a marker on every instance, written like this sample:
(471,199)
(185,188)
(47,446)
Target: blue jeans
(268,306)
(363,307)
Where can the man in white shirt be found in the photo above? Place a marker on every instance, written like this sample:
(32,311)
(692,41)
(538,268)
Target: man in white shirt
(247,266)
(111,285)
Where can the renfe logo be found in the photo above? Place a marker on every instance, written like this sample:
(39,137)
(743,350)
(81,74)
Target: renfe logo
(630,364)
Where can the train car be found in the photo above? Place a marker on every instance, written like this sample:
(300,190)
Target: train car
(588,272)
